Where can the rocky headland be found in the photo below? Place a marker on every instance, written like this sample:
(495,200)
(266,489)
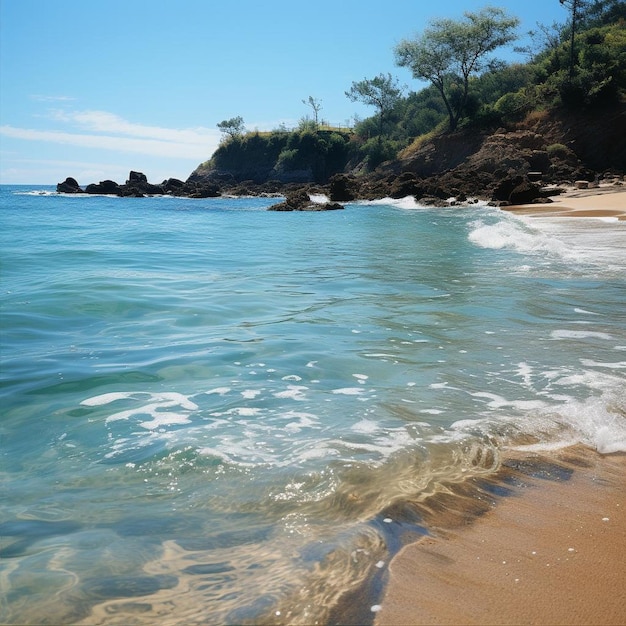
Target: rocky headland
(523,164)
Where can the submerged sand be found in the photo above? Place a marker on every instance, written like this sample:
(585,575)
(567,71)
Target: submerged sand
(602,201)
(554,552)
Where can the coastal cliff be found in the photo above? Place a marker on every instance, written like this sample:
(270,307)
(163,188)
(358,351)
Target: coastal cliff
(505,165)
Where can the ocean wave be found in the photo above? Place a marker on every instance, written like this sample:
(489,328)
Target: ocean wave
(514,235)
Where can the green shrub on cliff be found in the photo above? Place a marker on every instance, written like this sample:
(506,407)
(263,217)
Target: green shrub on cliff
(599,73)
(300,155)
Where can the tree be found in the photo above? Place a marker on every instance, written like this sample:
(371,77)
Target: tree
(316,105)
(450,51)
(233,127)
(382,91)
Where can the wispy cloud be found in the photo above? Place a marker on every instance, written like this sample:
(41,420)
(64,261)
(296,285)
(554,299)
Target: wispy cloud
(107,131)
(105,122)
(199,148)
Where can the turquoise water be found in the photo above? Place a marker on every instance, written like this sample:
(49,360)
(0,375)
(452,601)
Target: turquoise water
(211,413)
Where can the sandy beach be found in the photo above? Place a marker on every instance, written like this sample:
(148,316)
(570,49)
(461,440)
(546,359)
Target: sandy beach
(602,201)
(554,552)
(551,553)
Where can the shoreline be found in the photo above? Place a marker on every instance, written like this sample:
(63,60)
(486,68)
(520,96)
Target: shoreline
(552,552)
(604,201)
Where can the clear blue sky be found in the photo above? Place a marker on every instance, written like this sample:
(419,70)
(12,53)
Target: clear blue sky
(95,88)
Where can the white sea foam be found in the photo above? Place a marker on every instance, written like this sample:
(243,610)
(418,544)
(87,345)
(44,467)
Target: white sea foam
(614,366)
(588,241)
(598,421)
(513,235)
(408,202)
(243,411)
(300,421)
(365,426)
(348,391)
(318,198)
(221,391)
(579,334)
(107,398)
(293,392)
(161,419)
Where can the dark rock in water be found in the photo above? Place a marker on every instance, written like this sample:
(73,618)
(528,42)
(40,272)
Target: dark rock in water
(172,185)
(107,187)
(206,191)
(300,201)
(137,186)
(69,185)
(135,178)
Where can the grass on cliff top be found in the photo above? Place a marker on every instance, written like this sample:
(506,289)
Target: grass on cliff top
(422,140)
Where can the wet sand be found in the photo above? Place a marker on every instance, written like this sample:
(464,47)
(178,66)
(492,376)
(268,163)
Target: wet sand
(554,552)
(602,201)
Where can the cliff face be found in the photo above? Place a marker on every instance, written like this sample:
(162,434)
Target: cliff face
(597,138)
(554,147)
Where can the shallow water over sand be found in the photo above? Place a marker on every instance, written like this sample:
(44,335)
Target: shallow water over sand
(216,414)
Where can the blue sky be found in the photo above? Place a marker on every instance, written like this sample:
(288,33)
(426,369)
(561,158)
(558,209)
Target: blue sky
(95,88)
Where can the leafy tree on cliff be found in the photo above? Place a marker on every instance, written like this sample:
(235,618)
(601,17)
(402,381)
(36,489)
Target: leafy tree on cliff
(233,127)
(382,91)
(450,51)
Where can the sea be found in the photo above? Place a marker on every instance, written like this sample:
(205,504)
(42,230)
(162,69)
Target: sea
(215,414)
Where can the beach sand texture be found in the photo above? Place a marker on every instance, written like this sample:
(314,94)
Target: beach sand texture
(552,553)
(602,201)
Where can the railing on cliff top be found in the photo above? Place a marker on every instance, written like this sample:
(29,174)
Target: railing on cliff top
(321,126)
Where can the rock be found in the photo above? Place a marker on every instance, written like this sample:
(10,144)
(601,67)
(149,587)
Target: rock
(69,185)
(300,201)
(172,184)
(525,193)
(326,206)
(106,187)
(137,178)
(407,184)
(581,184)
(505,186)
(206,191)
(341,188)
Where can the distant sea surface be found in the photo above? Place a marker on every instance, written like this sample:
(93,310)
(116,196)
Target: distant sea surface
(215,414)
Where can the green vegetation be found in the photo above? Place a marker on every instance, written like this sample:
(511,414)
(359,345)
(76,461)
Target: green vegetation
(579,65)
(306,153)
(449,52)
(233,127)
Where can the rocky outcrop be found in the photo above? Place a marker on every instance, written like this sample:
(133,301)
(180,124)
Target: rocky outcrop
(104,187)
(137,186)
(301,201)
(342,188)
(69,185)
(504,165)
